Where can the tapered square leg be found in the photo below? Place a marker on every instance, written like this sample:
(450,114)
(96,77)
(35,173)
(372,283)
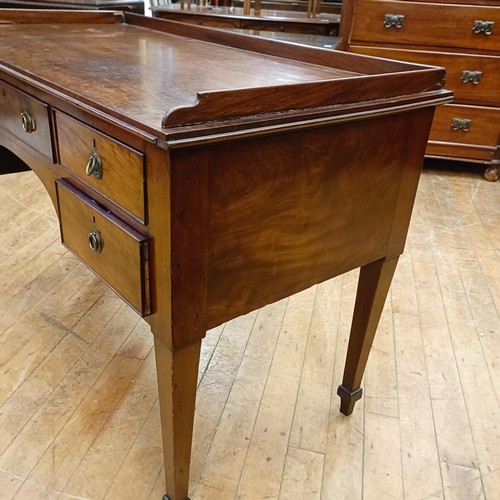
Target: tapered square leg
(373,286)
(177,373)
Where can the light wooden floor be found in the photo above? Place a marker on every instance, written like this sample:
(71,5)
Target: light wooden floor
(78,407)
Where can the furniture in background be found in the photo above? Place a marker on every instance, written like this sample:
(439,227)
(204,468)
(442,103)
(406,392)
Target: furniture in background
(203,174)
(128,5)
(332,7)
(462,36)
(311,22)
(320,41)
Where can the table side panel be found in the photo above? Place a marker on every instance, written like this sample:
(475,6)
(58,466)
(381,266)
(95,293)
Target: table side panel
(293,210)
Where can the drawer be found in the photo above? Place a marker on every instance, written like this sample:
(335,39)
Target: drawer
(487,89)
(210,21)
(426,24)
(117,253)
(110,167)
(326,29)
(483,125)
(27,118)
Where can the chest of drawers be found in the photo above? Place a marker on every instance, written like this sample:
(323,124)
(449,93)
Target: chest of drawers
(463,37)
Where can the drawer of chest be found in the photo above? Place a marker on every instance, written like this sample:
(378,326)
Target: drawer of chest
(27,118)
(117,253)
(110,167)
(472,78)
(473,125)
(417,23)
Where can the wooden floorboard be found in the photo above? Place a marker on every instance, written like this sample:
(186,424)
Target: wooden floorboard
(79,414)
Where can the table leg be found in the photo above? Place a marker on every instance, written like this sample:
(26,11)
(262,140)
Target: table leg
(177,373)
(373,286)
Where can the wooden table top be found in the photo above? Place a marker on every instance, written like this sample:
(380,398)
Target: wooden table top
(143,73)
(159,74)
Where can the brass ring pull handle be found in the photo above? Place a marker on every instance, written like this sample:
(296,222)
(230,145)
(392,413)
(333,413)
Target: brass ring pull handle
(485,27)
(94,166)
(471,77)
(29,124)
(95,241)
(393,20)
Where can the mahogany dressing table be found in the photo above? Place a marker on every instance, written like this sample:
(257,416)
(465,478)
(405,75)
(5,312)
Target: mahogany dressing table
(200,191)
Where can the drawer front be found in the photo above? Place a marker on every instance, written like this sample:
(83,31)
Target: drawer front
(27,118)
(210,21)
(426,24)
(471,125)
(110,167)
(117,253)
(326,29)
(474,79)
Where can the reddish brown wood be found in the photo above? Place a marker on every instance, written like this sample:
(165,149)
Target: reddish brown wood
(374,282)
(122,178)
(269,174)
(35,16)
(14,104)
(487,92)
(294,5)
(260,19)
(440,33)
(123,257)
(482,129)
(434,24)
(299,187)
(177,377)
(190,171)
(128,5)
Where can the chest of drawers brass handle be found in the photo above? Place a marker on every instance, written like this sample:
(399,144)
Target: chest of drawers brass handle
(393,20)
(95,241)
(471,77)
(94,166)
(461,124)
(485,27)
(29,124)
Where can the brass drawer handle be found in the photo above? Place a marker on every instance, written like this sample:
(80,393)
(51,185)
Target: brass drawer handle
(95,241)
(471,76)
(393,20)
(461,124)
(94,166)
(485,27)
(29,124)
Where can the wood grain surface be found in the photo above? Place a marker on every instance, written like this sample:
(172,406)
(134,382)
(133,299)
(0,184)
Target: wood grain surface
(266,403)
